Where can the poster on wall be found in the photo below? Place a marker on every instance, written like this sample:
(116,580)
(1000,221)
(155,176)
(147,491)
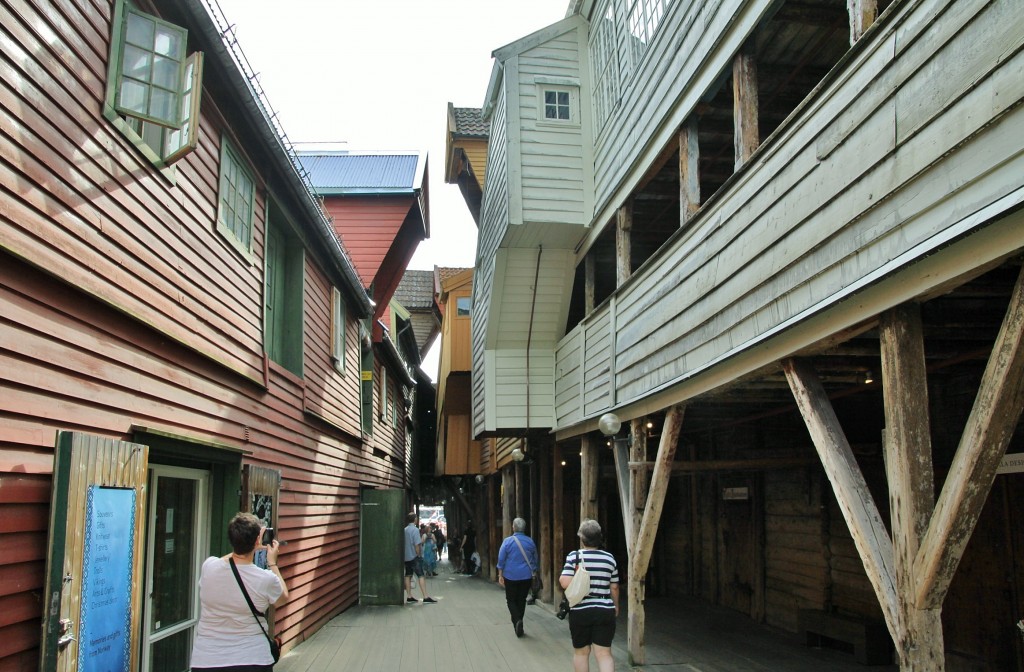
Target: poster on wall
(107,580)
(262,508)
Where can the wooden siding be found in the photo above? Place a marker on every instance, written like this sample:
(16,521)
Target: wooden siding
(854,189)
(115,227)
(554,175)
(368,226)
(568,367)
(512,376)
(494,221)
(476,154)
(68,361)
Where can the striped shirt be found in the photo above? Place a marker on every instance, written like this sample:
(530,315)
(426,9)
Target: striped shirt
(603,572)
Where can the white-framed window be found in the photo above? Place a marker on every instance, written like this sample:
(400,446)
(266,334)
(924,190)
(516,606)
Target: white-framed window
(463,306)
(642,22)
(153,86)
(237,196)
(558,101)
(337,329)
(604,61)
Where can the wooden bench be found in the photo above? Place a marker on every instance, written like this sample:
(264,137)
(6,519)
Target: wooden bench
(871,642)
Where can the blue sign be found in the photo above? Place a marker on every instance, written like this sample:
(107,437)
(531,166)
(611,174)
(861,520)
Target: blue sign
(105,639)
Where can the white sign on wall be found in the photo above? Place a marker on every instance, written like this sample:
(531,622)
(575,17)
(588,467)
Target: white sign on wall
(1012,463)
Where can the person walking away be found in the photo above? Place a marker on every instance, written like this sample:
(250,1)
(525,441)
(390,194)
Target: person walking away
(429,551)
(468,547)
(592,620)
(439,541)
(228,633)
(517,562)
(414,561)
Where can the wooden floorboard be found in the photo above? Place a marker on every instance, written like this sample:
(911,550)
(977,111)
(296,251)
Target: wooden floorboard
(469,630)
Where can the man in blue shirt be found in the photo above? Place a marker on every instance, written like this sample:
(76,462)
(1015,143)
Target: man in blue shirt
(517,563)
(414,560)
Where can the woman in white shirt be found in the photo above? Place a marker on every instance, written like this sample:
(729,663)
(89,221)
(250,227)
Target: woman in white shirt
(228,638)
(592,620)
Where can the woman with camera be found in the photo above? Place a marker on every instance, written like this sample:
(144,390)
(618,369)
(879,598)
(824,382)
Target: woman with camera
(592,619)
(230,637)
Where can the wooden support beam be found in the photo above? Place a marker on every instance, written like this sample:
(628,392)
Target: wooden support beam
(744,107)
(589,283)
(545,529)
(689,171)
(521,489)
(638,479)
(621,453)
(859,509)
(588,477)
(488,531)
(558,514)
(991,424)
(659,487)
(508,492)
(703,466)
(623,246)
(863,14)
(908,463)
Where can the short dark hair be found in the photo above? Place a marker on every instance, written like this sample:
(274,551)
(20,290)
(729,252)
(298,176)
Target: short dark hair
(243,530)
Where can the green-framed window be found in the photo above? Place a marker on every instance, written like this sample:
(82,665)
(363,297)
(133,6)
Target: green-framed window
(337,329)
(366,378)
(284,277)
(237,196)
(153,86)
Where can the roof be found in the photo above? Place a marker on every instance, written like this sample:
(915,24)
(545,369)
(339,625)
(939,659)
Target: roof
(416,290)
(345,172)
(469,122)
(446,272)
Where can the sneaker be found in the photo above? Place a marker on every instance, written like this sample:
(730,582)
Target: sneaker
(429,600)
(411,599)
(519,629)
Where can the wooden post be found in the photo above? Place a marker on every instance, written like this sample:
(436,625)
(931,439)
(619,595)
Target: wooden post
(623,247)
(990,426)
(521,487)
(908,462)
(637,477)
(508,492)
(588,477)
(862,15)
(689,171)
(745,106)
(558,522)
(544,535)
(866,527)
(636,617)
(588,284)
(621,452)
(648,530)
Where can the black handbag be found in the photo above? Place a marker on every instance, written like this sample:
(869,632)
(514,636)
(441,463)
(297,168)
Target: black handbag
(275,642)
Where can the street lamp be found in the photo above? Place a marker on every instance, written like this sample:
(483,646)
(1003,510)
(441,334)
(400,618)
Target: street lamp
(609,424)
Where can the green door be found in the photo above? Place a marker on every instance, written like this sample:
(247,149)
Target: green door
(381,566)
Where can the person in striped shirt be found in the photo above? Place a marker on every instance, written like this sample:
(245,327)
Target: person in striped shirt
(592,620)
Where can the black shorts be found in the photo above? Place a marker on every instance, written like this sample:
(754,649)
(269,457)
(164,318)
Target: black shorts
(414,566)
(593,625)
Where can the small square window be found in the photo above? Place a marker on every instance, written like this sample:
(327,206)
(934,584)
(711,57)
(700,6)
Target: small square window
(556,105)
(463,304)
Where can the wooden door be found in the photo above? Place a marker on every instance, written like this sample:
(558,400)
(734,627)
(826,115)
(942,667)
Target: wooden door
(92,609)
(740,549)
(381,544)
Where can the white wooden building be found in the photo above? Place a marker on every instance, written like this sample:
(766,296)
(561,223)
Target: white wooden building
(742,207)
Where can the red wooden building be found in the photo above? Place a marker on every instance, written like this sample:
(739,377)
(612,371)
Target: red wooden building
(177,319)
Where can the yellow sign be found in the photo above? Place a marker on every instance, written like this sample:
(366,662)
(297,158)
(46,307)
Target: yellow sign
(367,375)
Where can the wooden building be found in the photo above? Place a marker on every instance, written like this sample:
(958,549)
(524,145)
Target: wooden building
(781,242)
(179,322)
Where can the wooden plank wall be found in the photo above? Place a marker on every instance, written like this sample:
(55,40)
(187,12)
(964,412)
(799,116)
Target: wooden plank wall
(369,226)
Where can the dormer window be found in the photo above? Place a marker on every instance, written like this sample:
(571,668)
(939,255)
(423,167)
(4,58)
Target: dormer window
(556,105)
(558,101)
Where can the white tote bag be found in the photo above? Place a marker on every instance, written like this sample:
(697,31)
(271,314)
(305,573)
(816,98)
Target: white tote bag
(579,587)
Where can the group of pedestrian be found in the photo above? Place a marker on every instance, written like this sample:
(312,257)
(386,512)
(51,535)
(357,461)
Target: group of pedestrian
(433,541)
(592,619)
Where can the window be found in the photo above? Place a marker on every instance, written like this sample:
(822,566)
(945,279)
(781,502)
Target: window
(366,378)
(556,105)
(337,329)
(463,304)
(283,291)
(237,194)
(153,86)
(382,395)
(604,58)
(558,100)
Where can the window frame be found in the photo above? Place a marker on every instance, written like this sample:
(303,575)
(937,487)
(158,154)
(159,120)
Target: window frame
(228,153)
(558,85)
(338,328)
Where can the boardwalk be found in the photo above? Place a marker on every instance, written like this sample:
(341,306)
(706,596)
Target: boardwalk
(468,630)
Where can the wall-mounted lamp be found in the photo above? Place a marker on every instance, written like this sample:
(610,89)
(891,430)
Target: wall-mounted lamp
(518,455)
(868,377)
(609,424)
(479,478)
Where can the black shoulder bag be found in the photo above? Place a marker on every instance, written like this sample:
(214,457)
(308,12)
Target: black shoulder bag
(275,645)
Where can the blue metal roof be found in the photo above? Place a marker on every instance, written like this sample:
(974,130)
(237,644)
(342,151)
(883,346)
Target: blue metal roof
(363,173)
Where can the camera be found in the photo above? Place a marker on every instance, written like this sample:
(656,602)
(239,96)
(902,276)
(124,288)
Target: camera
(563,609)
(268,536)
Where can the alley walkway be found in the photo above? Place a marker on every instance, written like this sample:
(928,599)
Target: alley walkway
(468,630)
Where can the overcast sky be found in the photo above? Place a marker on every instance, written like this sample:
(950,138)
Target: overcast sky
(378,74)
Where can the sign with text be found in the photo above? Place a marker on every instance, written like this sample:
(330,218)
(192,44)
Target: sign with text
(107,580)
(1012,463)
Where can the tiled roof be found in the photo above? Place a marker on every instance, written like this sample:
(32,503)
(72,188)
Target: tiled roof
(445,272)
(470,123)
(416,290)
(363,172)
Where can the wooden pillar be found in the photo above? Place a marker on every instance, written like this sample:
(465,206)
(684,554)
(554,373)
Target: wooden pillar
(862,15)
(588,477)
(521,490)
(589,284)
(637,502)
(744,106)
(544,538)
(490,533)
(508,493)
(623,246)
(689,171)
(908,462)
(648,530)
(558,512)
(637,477)
(866,527)
(621,452)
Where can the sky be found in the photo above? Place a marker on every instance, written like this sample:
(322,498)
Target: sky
(379,74)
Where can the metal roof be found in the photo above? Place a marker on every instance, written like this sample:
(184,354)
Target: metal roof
(345,172)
